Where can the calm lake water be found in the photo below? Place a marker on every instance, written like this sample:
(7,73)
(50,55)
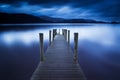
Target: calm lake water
(99,49)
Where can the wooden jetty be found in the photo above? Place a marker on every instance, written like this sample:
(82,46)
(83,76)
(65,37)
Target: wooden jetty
(59,62)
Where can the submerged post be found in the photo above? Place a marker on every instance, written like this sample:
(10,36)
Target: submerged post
(76,48)
(41,47)
(68,37)
(49,37)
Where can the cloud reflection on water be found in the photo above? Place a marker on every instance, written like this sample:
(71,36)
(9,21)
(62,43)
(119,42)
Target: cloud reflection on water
(98,49)
(103,35)
(26,37)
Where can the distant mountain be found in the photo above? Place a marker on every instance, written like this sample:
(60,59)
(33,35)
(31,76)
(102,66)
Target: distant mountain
(20,18)
(52,19)
(61,20)
(26,18)
(82,21)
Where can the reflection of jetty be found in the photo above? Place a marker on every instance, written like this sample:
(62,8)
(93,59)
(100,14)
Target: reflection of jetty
(59,62)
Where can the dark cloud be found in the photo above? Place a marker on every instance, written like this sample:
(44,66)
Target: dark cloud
(100,9)
(110,9)
(75,3)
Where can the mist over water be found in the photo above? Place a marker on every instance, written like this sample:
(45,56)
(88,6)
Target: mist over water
(99,50)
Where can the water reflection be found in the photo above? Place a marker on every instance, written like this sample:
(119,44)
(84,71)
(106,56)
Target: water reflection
(99,50)
(25,37)
(104,35)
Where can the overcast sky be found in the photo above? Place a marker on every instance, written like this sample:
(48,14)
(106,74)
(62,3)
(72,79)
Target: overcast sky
(89,9)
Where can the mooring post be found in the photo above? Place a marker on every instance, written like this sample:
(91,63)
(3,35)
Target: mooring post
(41,47)
(53,34)
(49,37)
(68,37)
(76,47)
(66,34)
(62,31)
(59,31)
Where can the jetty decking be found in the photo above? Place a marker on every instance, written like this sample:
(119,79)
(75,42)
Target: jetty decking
(58,63)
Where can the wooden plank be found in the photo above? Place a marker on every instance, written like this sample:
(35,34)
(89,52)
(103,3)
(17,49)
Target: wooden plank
(58,63)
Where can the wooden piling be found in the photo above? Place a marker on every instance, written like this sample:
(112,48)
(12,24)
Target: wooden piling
(63,30)
(41,47)
(66,34)
(59,64)
(76,48)
(68,37)
(53,34)
(59,31)
(49,37)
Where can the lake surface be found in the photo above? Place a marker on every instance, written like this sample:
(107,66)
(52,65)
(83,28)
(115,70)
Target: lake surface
(99,49)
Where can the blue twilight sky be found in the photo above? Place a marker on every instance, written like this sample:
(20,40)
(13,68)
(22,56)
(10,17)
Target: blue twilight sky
(107,10)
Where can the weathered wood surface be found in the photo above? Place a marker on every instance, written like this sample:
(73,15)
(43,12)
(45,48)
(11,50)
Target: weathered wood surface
(59,63)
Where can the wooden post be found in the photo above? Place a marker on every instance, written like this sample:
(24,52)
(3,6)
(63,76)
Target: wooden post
(59,31)
(41,47)
(63,32)
(76,47)
(66,34)
(49,37)
(53,34)
(68,37)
